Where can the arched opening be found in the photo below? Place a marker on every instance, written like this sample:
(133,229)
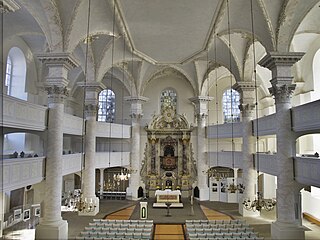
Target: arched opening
(15,81)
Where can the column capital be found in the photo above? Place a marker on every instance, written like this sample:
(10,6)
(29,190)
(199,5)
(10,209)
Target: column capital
(246,109)
(91,110)
(282,93)
(246,91)
(136,105)
(201,105)
(92,90)
(9,6)
(56,94)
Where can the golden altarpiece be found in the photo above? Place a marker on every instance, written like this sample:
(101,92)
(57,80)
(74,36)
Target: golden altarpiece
(168,158)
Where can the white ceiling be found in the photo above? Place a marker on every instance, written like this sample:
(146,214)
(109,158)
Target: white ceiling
(167,31)
(153,35)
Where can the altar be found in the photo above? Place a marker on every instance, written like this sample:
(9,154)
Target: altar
(168,196)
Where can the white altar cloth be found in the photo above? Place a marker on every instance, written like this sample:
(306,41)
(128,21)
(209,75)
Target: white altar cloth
(167,192)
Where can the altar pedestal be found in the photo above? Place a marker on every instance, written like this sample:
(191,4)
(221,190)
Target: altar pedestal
(167,196)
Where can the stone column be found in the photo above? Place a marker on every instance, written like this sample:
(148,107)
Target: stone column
(92,90)
(249,176)
(201,112)
(51,224)
(286,226)
(135,161)
(101,182)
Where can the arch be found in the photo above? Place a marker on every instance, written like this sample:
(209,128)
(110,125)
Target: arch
(196,192)
(17,74)
(316,75)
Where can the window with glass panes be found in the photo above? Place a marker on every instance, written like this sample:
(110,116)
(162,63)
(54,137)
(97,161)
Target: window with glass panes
(168,98)
(8,75)
(231,102)
(107,108)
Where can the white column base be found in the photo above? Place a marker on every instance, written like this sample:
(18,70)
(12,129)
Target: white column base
(132,193)
(246,213)
(55,230)
(204,193)
(94,212)
(287,231)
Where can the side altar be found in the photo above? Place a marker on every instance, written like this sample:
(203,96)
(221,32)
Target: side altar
(168,156)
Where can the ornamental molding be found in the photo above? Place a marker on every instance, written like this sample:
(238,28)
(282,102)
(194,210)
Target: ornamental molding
(166,72)
(246,109)
(52,59)
(7,6)
(57,94)
(275,59)
(91,110)
(136,99)
(92,86)
(170,121)
(283,93)
(201,99)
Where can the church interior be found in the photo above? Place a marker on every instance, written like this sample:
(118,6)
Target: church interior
(160,119)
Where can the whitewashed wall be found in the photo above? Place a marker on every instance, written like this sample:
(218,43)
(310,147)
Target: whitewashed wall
(112,130)
(112,159)
(71,163)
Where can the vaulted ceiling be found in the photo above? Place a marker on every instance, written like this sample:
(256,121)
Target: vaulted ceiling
(145,38)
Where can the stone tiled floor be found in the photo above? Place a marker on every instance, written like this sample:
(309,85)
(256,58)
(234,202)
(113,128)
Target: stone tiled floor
(76,224)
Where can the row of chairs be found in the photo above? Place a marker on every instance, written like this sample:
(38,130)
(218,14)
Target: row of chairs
(104,238)
(119,225)
(116,235)
(220,230)
(208,225)
(217,221)
(250,238)
(117,229)
(222,235)
(123,230)
(123,221)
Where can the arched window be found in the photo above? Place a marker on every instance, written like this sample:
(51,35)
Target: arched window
(8,75)
(168,98)
(107,106)
(231,102)
(16,68)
